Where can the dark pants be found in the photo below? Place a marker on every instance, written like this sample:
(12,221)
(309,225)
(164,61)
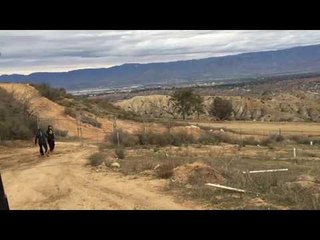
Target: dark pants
(44,145)
(51,144)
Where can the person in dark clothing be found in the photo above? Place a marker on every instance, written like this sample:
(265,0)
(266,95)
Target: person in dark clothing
(4,205)
(41,138)
(50,137)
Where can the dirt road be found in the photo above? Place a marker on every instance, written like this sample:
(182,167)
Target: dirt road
(63,181)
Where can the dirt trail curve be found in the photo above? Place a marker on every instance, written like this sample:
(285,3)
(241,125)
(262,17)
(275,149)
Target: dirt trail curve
(63,181)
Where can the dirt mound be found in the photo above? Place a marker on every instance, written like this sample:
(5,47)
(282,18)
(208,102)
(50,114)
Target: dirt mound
(305,182)
(186,172)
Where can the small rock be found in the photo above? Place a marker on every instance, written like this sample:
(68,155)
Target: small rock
(188,186)
(115,165)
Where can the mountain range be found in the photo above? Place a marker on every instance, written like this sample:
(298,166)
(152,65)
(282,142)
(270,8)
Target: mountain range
(304,59)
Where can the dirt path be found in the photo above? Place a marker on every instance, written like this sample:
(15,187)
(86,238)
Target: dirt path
(62,181)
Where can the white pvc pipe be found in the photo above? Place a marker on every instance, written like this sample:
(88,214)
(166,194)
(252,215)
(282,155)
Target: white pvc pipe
(264,171)
(225,187)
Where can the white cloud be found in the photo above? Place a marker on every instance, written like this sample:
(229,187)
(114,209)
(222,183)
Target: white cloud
(29,51)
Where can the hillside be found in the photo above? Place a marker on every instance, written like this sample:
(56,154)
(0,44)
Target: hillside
(304,59)
(49,112)
(293,106)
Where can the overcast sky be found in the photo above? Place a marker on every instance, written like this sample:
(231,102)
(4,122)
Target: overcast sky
(33,51)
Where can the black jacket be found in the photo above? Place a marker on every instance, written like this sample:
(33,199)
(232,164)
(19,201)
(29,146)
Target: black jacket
(41,137)
(50,134)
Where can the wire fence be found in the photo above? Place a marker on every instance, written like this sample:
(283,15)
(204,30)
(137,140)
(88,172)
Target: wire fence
(267,129)
(77,129)
(74,129)
(275,131)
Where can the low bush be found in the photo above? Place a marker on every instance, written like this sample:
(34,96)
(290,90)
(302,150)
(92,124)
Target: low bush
(96,159)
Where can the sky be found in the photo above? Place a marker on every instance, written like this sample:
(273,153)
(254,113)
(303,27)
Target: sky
(24,52)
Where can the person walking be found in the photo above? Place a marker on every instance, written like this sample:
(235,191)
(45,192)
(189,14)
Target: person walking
(50,137)
(41,139)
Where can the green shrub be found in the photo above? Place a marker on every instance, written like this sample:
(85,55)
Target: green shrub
(221,108)
(301,139)
(272,139)
(70,111)
(96,159)
(120,152)
(162,139)
(89,120)
(16,122)
(61,133)
(143,139)
(250,141)
(54,94)
(182,138)
(208,139)
(165,170)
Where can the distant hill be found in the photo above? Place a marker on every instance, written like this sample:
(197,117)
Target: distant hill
(296,106)
(304,59)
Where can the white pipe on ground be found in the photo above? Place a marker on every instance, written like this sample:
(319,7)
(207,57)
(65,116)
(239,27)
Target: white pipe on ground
(225,187)
(264,171)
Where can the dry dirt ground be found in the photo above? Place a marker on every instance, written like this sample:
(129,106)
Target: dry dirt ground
(64,181)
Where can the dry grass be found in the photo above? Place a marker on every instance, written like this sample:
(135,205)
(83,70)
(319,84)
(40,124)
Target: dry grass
(303,139)
(122,138)
(264,191)
(271,187)
(264,128)
(271,140)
